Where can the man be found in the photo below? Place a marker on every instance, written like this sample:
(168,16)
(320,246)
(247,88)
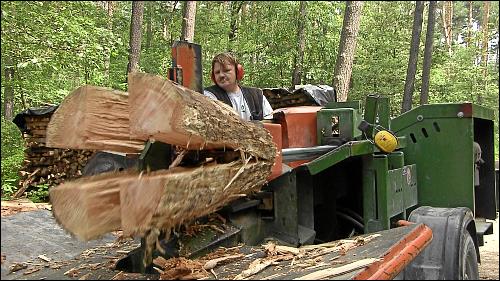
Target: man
(248,102)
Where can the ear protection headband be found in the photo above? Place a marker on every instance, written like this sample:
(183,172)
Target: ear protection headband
(239,73)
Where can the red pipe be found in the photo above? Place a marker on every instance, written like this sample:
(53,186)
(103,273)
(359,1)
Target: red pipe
(399,255)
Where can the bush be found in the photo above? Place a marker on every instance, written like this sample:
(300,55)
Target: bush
(12,157)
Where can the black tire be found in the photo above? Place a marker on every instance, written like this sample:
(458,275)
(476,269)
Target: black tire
(468,258)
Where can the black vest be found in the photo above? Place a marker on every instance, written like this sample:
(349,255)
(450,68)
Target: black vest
(253,97)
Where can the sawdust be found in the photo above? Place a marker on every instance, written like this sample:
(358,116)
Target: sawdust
(13,207)
(183,268)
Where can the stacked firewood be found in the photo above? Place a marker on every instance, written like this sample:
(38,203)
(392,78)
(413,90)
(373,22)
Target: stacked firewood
(45,165)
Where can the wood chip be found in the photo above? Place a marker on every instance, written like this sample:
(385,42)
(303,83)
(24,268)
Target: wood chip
(255,267)
(44,258)
(31,270)
(213,263)
(330,272)
(119,276)
(17,266)
(85,277)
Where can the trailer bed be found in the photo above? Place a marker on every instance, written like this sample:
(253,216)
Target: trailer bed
(27,235)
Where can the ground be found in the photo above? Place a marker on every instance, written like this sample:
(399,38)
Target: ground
(38,248)
(488,269)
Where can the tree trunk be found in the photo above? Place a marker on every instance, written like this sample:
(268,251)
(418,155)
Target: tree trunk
(469,26)
(93,118)
(301,45)
(429,39)
(149,26)
(412,63)
(107,59)
(8,99)
(166,22)
(235,10)
(188,21)
(347,46)
(135,36)
(447,16)
(484,48)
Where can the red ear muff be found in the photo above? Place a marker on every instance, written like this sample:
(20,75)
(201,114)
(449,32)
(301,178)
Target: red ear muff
(239,72)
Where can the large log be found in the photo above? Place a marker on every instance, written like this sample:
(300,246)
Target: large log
(139,203)
(165,111)
(93,118)
(135,203)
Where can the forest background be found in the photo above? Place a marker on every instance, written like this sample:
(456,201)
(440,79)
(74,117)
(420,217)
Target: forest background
(51,48)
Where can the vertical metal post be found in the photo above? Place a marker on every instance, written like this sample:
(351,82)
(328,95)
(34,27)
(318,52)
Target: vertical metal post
(381,167)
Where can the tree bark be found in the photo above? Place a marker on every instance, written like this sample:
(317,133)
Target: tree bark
(301,45)
(412,63)
(447,16)
(93,118)
(8,99)
(107,59)
(347,46)
(235,10)
(188,21)
(469,26)
(484,48)
(149,25)
(93,206)
(166,23)
(135,36)
(429,39)
(194,121)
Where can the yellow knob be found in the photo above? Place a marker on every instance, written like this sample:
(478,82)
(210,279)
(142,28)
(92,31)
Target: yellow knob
(386,141)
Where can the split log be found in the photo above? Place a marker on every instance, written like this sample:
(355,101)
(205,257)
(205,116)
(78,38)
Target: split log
(93,118)
(161,200)
(165,111)
(90,207)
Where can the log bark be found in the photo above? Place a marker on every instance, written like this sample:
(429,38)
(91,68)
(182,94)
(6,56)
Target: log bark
(167,112)
(135,203)
(144,203)
(93,118)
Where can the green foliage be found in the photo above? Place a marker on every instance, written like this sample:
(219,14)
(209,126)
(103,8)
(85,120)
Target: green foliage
(12,157)
(39,194)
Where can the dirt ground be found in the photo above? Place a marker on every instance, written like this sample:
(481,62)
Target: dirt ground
(21,205)
(488,269)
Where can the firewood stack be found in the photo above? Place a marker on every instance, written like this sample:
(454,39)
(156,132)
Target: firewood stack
(46,165)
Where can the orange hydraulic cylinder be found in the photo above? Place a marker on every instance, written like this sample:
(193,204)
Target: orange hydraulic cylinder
(298,128)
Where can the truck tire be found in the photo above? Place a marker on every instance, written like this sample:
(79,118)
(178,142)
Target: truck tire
(453,253)
(468,259)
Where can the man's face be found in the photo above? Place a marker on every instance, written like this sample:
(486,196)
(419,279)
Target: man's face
(225,76)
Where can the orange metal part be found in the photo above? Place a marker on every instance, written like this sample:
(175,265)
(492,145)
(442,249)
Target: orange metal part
(184,57)
(298,128)
(398,256)
(275,130)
